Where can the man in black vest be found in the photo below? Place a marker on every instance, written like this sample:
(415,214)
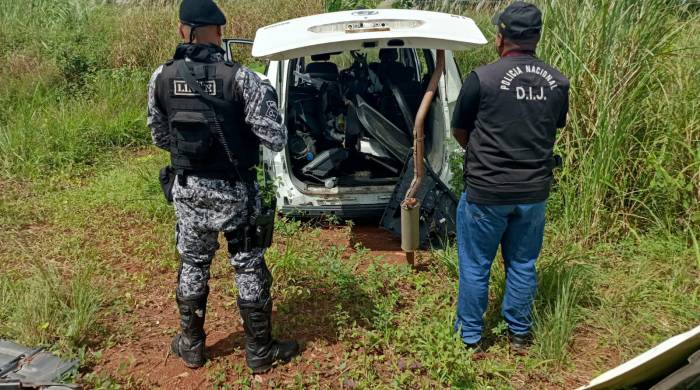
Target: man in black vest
(212,116)
(506,119)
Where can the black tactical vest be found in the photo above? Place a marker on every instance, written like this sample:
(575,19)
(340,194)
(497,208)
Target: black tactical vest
(509,155)
(197,127)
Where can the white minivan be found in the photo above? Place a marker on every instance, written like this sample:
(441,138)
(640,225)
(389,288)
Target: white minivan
(349,86)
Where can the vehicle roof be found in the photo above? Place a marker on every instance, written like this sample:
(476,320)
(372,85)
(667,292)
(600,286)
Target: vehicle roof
(361,29)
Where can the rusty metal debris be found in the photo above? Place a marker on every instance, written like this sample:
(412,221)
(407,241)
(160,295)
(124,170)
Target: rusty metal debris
(410,207)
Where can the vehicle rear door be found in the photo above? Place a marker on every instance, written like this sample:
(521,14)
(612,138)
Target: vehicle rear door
(450,86)
(240,50)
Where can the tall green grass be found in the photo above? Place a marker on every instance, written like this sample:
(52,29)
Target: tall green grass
(632,145)
(50,307)
(339,5)
(59,130)
(630,149)
(562,292)
(74,74)
(62,104)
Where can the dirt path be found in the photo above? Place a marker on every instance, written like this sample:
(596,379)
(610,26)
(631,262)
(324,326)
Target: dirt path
(142,360)
(139,266)
(138,355)
(382,244)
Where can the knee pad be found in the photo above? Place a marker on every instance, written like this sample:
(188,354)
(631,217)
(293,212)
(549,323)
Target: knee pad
(197,281)
(254,283)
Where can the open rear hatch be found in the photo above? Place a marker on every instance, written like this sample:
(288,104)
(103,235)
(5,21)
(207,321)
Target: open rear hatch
(364,29)
(390,139)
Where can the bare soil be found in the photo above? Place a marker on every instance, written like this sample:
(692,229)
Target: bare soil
(141,359)
(138,354)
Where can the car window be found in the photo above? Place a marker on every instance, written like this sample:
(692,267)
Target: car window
(239,50)
(425,64)
(344,60)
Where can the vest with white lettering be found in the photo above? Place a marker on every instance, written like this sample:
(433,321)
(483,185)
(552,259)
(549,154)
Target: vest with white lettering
(197,147)
(509,157)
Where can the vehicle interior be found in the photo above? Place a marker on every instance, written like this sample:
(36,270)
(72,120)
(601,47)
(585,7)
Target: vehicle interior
(350,115)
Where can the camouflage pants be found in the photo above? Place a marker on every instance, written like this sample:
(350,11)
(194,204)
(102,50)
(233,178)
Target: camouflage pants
(204,208)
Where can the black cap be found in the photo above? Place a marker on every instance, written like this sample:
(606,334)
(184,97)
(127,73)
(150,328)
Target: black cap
(197,13)
(519,20)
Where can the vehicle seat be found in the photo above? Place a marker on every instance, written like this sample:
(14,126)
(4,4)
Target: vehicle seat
(325,163)
(329,92)
(322,68)
(326,104)
(390,69)
(402,93)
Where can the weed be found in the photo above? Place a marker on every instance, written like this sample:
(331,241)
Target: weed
(448,258)
(100,382)
(557,311)
(48,308)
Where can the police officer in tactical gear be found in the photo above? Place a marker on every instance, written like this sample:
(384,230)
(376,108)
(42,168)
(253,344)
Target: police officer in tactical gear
(212,116)
(506,119)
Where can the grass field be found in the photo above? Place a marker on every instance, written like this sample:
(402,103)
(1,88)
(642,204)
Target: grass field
(87,244)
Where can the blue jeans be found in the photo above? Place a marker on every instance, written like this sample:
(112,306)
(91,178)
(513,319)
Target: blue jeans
(519,229)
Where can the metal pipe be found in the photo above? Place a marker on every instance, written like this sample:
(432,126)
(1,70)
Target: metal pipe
(410,207)
(419,130)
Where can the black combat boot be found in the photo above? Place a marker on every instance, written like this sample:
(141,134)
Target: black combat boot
(189,343)
(261,350)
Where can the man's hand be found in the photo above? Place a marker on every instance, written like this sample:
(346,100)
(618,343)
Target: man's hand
(462,137)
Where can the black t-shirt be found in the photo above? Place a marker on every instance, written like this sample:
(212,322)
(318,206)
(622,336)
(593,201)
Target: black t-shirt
(511,110)
(467,104)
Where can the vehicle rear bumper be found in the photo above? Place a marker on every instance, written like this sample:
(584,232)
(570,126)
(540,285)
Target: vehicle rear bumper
(341,211)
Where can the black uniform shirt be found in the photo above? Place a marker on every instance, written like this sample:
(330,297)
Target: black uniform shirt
(467,104)
(511,110)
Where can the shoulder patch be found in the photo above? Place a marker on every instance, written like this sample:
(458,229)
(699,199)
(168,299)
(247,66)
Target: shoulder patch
(233,67)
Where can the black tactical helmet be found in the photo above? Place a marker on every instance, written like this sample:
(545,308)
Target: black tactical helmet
(197,13)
